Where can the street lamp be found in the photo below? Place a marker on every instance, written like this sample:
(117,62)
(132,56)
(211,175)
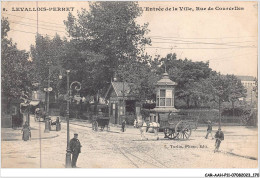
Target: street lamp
(48,90)
(68,98)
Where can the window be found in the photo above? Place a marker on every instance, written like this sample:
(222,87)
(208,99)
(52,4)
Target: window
(162,93)
(168,101)
(165,98)
(162,101)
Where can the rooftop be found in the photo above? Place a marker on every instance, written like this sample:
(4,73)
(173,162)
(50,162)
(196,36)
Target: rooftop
(246,78)
(122,89)
(165,80)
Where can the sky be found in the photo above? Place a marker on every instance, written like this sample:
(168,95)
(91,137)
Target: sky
(202,32)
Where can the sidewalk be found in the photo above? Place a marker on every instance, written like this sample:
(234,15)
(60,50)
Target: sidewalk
(37,132)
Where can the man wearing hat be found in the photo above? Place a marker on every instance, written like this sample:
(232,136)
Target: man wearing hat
(209,130)
(219,137)
(75,148)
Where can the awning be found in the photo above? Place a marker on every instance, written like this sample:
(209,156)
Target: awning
(34,103)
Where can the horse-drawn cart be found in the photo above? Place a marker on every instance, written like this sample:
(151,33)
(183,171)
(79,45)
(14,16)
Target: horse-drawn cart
(177,126)
(100,121)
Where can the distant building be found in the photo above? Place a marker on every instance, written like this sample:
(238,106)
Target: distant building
(122,101)
(249,82)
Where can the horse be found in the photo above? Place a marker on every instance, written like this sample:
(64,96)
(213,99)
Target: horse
(144,127)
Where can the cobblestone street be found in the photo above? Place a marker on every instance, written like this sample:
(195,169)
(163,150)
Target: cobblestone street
(115,149)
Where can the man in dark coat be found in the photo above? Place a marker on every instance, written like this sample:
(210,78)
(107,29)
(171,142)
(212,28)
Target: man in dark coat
(209,130)
(75,148)
(26,131)
(123,125)
(219,137)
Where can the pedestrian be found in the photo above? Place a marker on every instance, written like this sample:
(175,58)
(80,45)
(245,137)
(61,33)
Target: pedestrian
(75,148)
(37,114)
(135,123)
(209,130)
(219,137)
(26,131)
(123,125)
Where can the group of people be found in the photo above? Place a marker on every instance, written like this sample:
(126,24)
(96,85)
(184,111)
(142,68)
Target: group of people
(75,146)
(219,136)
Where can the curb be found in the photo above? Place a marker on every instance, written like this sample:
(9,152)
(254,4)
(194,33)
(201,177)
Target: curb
(15,139)
(242,156)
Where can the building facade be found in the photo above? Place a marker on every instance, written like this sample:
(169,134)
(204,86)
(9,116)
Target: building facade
(249,82)
(122,101)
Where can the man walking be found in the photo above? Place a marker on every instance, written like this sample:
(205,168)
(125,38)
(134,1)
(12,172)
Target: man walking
(123,125)
(209,130)
(219,137)
(75,148)
(26,131)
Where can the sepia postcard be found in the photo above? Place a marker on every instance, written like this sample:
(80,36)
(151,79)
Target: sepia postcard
(113,84)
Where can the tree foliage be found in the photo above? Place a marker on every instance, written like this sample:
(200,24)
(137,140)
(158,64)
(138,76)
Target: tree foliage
(109,29)
(236,89)
(142,76)
(15,66)
(46,56)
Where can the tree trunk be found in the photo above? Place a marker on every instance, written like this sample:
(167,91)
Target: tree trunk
(95,105)
(233,108)
(219,114)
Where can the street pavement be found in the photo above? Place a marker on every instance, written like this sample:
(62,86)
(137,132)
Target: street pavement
(114,149)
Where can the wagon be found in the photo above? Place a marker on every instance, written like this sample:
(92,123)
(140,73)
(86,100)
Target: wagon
(100,121)
(177,126)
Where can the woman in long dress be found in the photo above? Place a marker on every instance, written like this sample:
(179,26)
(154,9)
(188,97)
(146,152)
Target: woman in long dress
(26,132)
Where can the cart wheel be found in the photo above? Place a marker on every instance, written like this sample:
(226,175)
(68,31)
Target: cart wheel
(183,130)
(169,133)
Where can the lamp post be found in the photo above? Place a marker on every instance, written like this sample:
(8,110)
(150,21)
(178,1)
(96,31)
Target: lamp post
(47,90)
(69,92)
(68,151)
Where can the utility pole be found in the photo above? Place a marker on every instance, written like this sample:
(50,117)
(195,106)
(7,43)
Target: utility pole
(219,114)
(47,129)
(48,93)
(68,151)
(123,98)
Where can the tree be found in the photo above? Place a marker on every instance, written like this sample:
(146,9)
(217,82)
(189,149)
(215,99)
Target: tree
(46,58)
(223,88)
(141,75)
(15,68)
(86,67)
(109,29)
(236,90)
